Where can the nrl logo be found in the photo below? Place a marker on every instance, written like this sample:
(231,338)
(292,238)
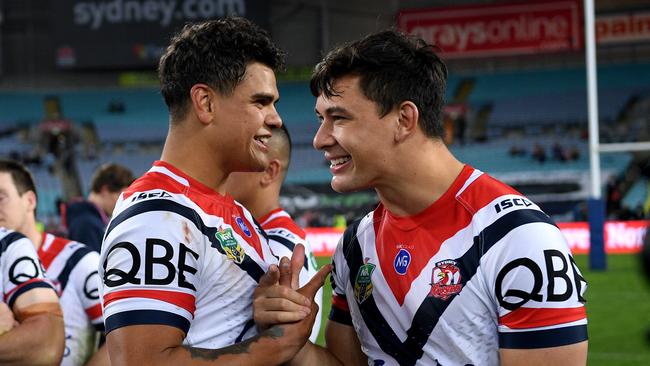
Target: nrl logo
(363,282)
(230,245)
(445,280)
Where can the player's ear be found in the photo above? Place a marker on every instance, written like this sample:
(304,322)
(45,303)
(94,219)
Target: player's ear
(30,196)
(202,98)
(407,120)
(271,173)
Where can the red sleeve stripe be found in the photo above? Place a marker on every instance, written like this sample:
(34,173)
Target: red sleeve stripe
(94,312)
(340,302)
(28,282)
(524,318)
(180,299)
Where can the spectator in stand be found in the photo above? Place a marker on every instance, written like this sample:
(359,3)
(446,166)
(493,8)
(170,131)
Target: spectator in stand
(559,153)
(86,220)
(539,153)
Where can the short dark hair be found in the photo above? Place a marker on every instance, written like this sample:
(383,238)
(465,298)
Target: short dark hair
(114,176)
(283,133)
(21,176)
(393,68)
(214,52)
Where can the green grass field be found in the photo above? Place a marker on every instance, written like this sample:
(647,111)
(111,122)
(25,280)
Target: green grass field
(618,307)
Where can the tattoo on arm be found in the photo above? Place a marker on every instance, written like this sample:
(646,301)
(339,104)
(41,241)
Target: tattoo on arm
(237,348)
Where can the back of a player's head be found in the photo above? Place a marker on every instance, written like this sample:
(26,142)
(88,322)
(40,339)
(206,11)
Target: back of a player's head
(392,68)
(20,175)
(114,177)
(280,144)
(216,53)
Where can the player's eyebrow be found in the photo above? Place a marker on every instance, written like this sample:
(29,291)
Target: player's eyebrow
(333,110)
(265,98)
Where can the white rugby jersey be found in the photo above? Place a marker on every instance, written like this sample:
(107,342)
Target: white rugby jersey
(482,268)
(178,253)
(72,267)
(20,269)
(283,234)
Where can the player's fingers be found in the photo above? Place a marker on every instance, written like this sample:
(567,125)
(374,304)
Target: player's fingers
(316,282)
(281,304)
(285,272)
(297,262)
(279,317)
(271,276)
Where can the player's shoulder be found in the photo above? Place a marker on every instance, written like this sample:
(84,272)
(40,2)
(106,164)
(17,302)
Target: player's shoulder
(278,222)
(356,230)
(10,237)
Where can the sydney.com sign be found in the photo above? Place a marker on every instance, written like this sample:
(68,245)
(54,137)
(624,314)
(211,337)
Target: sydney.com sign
(133,33)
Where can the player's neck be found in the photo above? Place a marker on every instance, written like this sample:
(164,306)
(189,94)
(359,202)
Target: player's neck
(31,232)
(188,153)
(418,184)
(264,203)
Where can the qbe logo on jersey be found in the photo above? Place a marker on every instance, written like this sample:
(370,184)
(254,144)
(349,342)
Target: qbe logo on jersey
(445,280)
(363,281)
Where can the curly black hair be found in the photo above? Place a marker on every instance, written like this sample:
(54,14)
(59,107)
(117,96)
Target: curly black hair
(214,52)
(393,68)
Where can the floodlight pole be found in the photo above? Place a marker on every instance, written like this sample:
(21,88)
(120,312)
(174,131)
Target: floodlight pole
(597,258)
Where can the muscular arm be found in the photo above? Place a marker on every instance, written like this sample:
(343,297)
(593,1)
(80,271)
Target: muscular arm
(39,338)
(571,355)
(134,345)
(100,358)
(343,348)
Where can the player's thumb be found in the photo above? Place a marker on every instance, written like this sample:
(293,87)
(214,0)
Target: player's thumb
(310,288)
(271,276)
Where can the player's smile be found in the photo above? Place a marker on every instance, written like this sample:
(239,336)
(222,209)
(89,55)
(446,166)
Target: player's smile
(339,163)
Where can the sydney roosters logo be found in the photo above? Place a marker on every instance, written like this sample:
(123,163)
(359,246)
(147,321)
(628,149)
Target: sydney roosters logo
(445,280)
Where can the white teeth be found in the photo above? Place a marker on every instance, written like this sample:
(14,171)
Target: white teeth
(339,161)
(262,139)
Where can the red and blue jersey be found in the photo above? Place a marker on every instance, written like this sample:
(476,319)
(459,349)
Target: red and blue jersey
(178,253)
(482,268)
(20,268)
(72,267)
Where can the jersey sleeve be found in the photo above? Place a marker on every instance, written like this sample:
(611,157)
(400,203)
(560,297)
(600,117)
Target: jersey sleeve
(21,268)
(340,311)
(86,284)
(536,287)
(149,265)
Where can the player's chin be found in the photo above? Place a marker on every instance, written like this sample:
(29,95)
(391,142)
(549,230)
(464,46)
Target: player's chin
(342,184)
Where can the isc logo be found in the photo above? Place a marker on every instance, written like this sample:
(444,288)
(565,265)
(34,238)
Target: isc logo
(402,261)
(146,195)
(508,203)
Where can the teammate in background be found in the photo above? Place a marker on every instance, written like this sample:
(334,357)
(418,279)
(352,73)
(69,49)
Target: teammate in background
(36,335)
(453,267)
(181,259)
(71,266)
(259,192)
(86,220)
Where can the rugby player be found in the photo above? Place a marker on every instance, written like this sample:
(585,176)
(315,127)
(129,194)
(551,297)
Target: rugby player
(453,267)
(181,259)
(36,337)
(259,192)
(71,266)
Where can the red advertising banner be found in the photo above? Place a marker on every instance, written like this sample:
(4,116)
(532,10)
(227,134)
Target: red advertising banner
(621,237)
(498,29)
(621,28)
